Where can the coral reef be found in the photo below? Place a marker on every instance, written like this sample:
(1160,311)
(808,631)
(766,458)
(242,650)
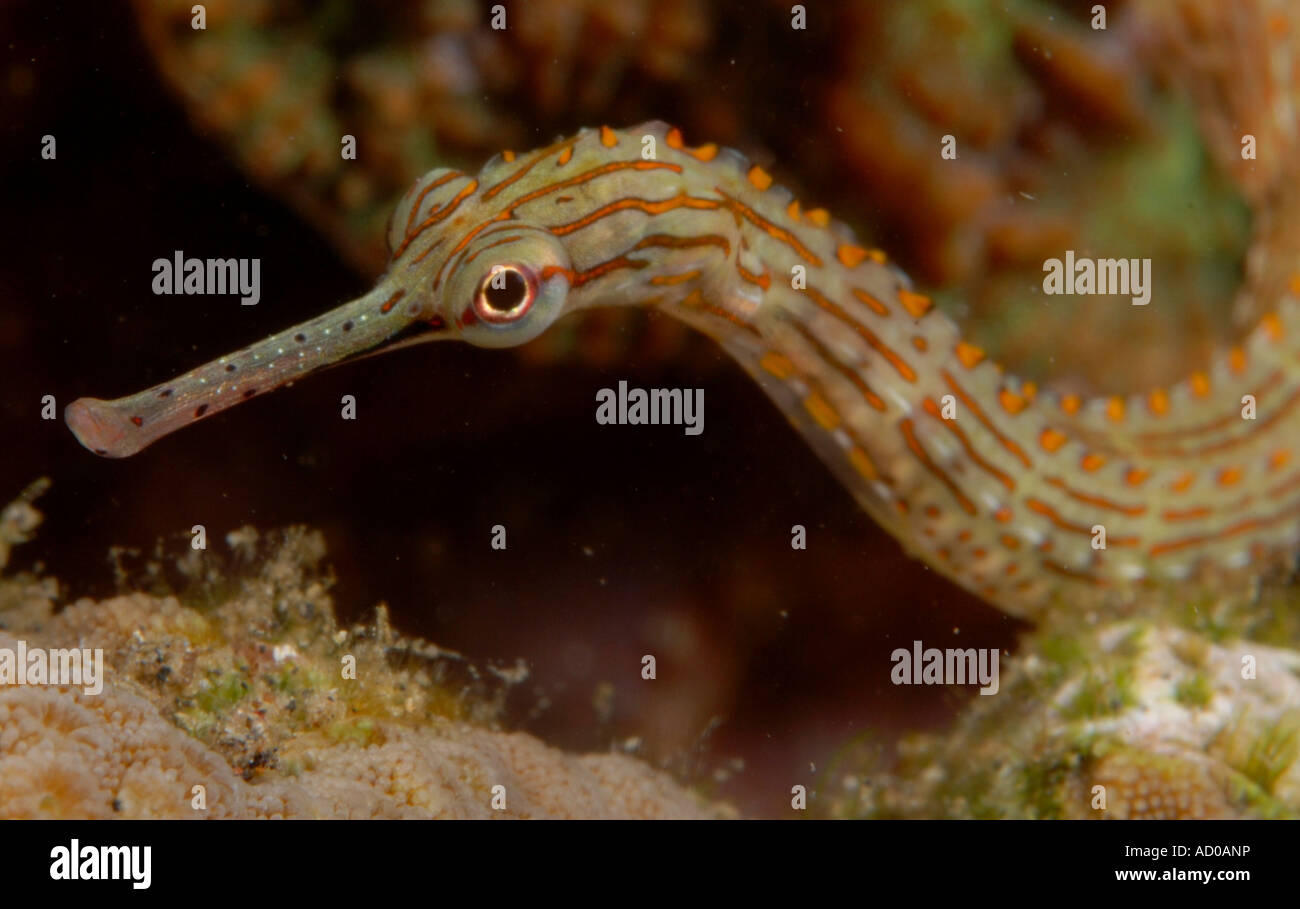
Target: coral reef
(1065,137)
(418,84)
(239,690)
(1132,719)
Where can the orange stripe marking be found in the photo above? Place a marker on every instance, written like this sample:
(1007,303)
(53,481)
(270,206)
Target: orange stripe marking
(863,464)
(914,444)
(1099,501)
(966,399)
(1184,514)
(649,206)
(773,230)
(821,411)
(876,306)
(872,339)
(777,364)
(933,410)
(827,356)
(440,215)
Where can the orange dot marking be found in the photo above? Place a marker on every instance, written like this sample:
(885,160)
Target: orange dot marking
(1011,402)
(704,153)
(1237,360)
(969,355)
(1092,462)
(917,305)
(852,256)
(1158,402)
(819,216)
(1051,440)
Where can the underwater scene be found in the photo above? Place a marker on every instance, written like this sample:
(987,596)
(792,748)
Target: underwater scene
(866,409)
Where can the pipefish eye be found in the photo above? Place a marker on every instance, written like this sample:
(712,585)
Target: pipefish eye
(513,296)
(505,294)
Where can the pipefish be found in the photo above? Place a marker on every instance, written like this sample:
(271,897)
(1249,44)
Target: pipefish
(1001,487)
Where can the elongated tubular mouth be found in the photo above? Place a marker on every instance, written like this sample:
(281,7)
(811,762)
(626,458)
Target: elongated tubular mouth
(377,322)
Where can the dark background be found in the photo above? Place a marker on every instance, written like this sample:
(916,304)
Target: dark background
(686,539)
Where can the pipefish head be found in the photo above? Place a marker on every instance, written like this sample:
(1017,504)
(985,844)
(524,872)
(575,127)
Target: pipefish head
(477,269)
(464,267)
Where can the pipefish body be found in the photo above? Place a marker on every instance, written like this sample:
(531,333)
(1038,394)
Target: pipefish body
(1006,497)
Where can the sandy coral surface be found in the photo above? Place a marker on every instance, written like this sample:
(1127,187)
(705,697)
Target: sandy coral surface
(237,705)
(1129,719)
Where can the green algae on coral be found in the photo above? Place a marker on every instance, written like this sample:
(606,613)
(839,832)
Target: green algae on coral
(249,697)
(1136,718)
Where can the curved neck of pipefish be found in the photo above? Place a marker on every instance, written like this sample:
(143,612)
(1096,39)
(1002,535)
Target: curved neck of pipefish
(1029,499)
